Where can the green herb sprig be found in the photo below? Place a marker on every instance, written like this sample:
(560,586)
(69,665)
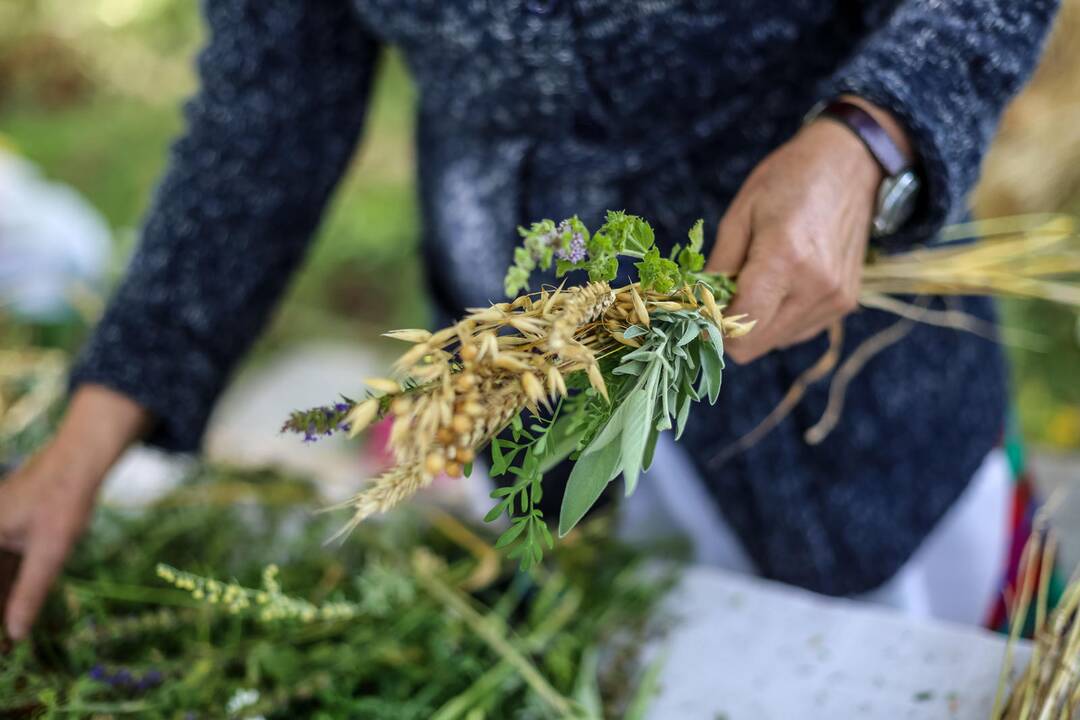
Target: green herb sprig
(570,246)
(528,532)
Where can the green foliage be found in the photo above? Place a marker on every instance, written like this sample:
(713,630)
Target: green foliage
(597,255)
(114,641)
(528,532)
(679,362)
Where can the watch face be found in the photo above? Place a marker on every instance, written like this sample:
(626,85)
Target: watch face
(896,202)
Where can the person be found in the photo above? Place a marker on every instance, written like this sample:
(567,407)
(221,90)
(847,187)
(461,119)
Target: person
(549,108)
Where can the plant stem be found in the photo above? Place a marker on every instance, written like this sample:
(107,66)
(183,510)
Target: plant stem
(491,630)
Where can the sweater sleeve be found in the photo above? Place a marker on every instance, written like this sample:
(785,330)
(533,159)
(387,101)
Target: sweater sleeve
(283,84)
(946,70)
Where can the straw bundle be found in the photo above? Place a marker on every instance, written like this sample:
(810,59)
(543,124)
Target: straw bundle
(1026,257)
(1049,687)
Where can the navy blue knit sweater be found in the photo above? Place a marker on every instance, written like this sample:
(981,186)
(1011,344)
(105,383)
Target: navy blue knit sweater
(546,108)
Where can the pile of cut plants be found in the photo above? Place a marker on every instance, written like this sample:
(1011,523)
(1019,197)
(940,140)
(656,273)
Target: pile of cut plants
(413,618)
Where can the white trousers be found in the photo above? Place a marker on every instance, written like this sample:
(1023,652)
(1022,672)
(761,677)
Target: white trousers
(955,574)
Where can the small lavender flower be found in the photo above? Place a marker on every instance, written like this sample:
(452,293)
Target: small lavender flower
(122,678)
(575,253)
(151,679)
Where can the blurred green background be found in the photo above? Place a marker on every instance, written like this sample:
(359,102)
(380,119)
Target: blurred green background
(91,90)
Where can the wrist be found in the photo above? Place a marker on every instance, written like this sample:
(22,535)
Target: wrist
(888,122)
(886,144)
(847,155)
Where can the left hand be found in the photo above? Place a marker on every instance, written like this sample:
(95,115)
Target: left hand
(796,237)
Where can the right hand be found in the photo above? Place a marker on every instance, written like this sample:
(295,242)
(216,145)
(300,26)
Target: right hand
(46,504)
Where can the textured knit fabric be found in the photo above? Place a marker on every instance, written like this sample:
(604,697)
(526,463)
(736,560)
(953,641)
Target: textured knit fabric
(546,108)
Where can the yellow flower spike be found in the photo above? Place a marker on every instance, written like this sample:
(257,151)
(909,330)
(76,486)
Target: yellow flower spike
(415,354)
(688,291)
(532,387)
(383,385)
(409,335)
(556,383)
(710,304)
(733,328)
(442,337)
(507,362)
(525,326)
(361,416)
(491,315)
(639,307)
(596,379)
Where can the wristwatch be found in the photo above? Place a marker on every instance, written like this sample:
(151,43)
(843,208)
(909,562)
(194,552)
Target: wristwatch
(899,191)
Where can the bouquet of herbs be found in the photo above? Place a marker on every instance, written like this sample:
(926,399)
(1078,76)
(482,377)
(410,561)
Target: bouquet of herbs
(594,373)
(601,372)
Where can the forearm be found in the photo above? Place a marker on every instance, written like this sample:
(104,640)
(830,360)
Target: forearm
(281,104)
(100,424)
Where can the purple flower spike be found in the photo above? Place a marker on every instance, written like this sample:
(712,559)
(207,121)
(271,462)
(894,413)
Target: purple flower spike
(151,679)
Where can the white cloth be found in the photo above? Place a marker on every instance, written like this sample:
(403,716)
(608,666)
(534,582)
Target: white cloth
(52,242)
(954,575)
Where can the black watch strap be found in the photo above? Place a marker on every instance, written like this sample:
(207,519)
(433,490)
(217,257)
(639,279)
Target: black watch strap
(867,129)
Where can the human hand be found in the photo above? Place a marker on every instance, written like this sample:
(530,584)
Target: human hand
(796,234)
(46,504)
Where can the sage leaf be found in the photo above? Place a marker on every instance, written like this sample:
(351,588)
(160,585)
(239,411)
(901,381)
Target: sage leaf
(684,413)
(650,448)
(692,331)
(630,367)
(591,474)
(711,367)
(638,424)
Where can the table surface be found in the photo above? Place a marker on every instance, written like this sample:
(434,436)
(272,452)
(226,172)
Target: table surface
(742,648)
